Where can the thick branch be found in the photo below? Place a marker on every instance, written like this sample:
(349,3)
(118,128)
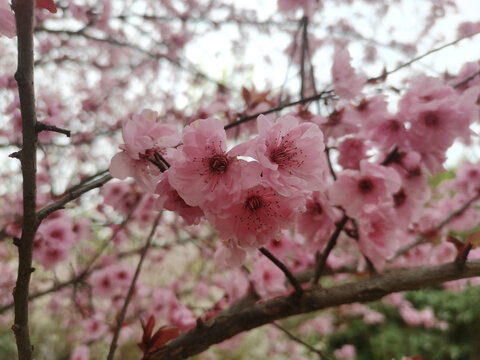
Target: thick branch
(229,324)
(24,16)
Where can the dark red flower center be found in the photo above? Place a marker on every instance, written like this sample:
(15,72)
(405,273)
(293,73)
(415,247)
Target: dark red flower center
(365,186)
(253,203)
(399,198)
(431,120)
(218,164)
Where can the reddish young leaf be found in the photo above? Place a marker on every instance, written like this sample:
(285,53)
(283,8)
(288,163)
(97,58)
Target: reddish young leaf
(163,335)
(47,4)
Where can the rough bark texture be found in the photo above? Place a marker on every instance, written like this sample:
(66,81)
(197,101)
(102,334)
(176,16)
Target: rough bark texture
(232,323)
(24,14)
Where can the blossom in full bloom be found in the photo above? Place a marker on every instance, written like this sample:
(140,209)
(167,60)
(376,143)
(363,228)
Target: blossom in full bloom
(203,173)
(373,184)
(145,141)
(291,154)
(257,216)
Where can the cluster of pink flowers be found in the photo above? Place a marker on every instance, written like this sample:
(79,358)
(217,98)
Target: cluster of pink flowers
(280,179)
(56,236)
(248,194)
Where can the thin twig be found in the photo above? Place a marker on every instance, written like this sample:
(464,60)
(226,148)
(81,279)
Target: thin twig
(467,79)
(296,285)
(46,127)
(244,119)
(408,63)
(303,52)
(79,191)
(121,316)
(320,353)
(457,212)
(422,239)
(322,260)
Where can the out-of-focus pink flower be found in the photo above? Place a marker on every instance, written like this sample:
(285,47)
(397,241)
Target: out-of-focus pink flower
(111,280)
(377,227)
(229,255)
(317,223)
(346,83)
(352,151)
(236,285)
(308,6)
(346,352)
(468,28)
(95,327)
(8,25)
(267,278)
(182,317)
(373,184)
(81,352)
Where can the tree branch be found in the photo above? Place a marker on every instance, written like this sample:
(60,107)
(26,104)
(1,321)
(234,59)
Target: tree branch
(322,260)
(244,119)
(72,195)
(229,324)
(415,59)
(121,317)
(24,16)
(281,266)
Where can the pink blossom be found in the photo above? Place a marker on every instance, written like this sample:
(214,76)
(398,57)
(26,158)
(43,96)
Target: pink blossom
(373,184)
(282,245)
(346,83)
(8,25)
(267,278)
(164,300)
(346,352)
(377,228)
(387,133)
(317,223)
(291,154)
(308,6)
(169,199)
(258,215)
(352,151)
(81,352)
(236,285)
(468,28)
(182,317)
(111,280)
(230,255)
(203,173)
(337,124)
(145,140)
(95,327)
